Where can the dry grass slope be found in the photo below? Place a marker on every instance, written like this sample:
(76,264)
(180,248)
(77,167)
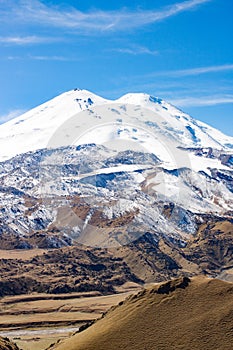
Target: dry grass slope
(180,314)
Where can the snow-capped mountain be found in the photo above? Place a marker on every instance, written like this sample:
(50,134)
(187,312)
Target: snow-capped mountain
(84,169)
(35,129)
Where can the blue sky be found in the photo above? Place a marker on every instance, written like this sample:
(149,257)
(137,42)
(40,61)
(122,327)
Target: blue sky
(178,50)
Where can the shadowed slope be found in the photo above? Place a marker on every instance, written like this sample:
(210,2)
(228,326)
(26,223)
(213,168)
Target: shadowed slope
(180,314)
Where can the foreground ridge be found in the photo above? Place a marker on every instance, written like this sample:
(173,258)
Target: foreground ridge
(183,313)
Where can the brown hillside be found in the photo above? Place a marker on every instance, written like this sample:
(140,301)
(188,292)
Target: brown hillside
(180,314)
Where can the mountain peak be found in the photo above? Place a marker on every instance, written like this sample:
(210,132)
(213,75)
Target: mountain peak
(139,98)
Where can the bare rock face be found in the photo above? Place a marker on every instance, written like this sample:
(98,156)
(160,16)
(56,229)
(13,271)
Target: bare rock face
(171,286)
(6,344)
(146,260)
(65,270)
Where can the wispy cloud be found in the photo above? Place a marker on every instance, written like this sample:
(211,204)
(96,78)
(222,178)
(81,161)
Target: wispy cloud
(198,70)
(51,58)
(13,58)
(137,50)
(26,40)
(10,115)
(44,58)
(202,101)
(195,71)
(34,11)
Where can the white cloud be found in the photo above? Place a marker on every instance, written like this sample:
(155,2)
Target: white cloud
(43,58)
(185,72)
(34,11)
(137,50)
(12,114)
(50,58)
(12,58)
(25,40)
(202,101)
(198,70)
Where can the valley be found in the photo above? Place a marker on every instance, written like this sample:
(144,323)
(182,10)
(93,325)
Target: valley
(35,321)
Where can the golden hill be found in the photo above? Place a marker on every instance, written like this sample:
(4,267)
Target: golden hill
(179,314)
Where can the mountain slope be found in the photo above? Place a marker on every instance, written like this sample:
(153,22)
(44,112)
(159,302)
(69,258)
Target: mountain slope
(93,196)
(180,314)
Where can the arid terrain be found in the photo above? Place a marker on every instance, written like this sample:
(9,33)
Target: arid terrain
(35,317)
